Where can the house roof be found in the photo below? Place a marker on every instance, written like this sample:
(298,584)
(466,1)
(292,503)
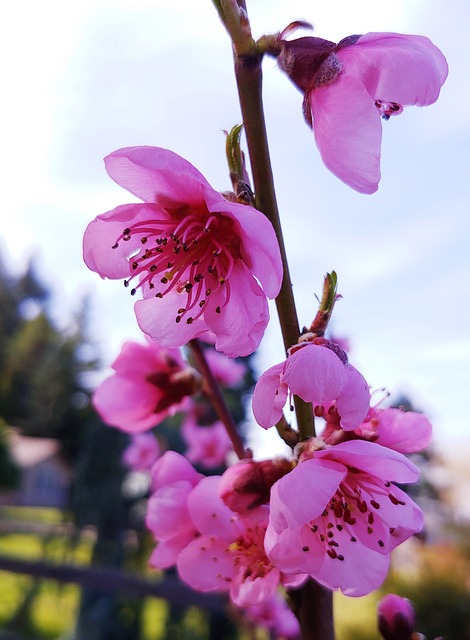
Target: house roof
(27,451)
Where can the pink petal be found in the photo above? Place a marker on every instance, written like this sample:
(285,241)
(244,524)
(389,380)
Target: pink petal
(128,404)
(157,175)
(102,233)
(371,458)
(316,481)
(166,552)
(167,511)
(362,570)
(409,70)
(246,592)
(173,467)
(353,403)
(269,397)
(209,513)
(404,431)
(244,314)
(348,132)
(206,564)
(139,360)
(157,318)
(260,249)
(315,374)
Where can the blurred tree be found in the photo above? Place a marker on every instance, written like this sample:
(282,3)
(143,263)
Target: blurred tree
(42,368)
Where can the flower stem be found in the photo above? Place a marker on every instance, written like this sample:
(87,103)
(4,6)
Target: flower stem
(313,607)
(249,81)
(217,399)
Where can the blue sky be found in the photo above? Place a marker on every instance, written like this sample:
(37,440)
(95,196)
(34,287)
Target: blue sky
(83,79)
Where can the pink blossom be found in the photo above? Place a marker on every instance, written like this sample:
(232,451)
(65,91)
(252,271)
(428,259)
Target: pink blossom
(317,373)
(337,516)
(149,384)
(229,554)
(201,261)
(396,618)
(348,87)
(274,615)
(168,519)
(227,372)
(207,446)
(142,452)
(404,431)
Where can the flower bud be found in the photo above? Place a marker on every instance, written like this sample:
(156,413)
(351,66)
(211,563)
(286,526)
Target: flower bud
(396,618)
(247,485)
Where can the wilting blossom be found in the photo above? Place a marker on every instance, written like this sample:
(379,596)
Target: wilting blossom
(142,452)
(201,262)
(229,554)
(173,479)
(396,618)
(337,516)
(350,86)
(316,372)
(404,431)
(207,446)
(149,383)
(275,615)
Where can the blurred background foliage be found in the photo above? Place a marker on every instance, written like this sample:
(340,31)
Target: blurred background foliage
(44,393)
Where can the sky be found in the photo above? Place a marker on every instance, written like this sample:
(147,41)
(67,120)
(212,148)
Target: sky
(83,79)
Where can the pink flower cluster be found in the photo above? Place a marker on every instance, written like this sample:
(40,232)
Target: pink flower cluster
(213,547)
(205,264)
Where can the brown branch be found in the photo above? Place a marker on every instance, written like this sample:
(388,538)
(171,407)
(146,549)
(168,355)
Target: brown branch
(113,580)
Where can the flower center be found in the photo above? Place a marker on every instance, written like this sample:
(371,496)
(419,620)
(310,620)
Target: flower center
(387,109)
(191,253)
(352,514)
(251,558)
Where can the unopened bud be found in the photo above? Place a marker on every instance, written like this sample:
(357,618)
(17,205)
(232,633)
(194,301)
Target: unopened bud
(396,618)
(247,484)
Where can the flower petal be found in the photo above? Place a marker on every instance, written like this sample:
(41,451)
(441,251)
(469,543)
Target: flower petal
(269,397)
(353,403)
(260,248)
(316,481)
(243,316)
(409,70)
(348,132)
(157,318)
(101,236)
(128,404)
(157,175)
(315,374)
(206,564)
(209,513)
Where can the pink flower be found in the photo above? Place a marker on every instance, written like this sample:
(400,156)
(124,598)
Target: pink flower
(201,261)
(207,446)
(274,615)
(403,431)
(149,384)
(318,373)
(229,554)
(348,87)
(227,372)
(396,618)
(142,452)
(173,479)
(337,516)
